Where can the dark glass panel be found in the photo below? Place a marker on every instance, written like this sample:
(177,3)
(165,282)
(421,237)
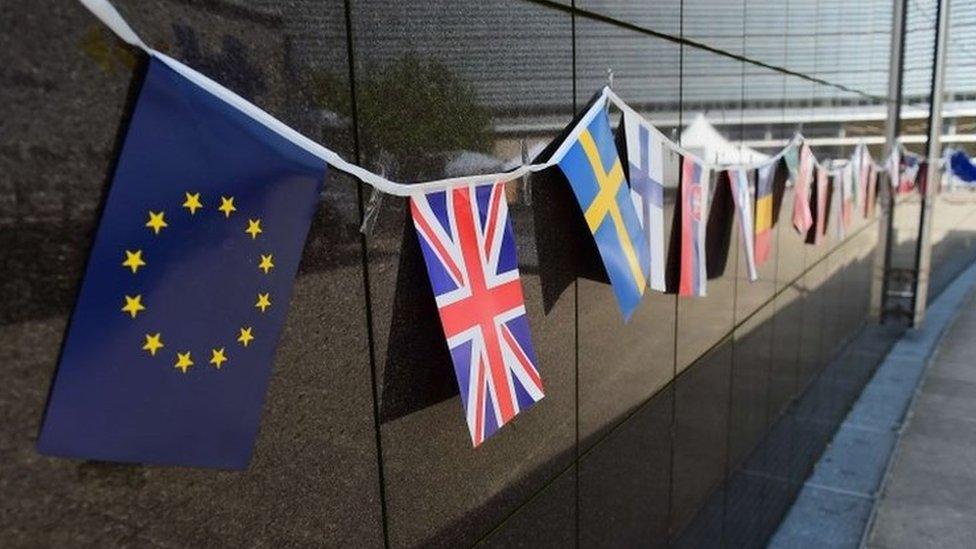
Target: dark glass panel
(624,481)
(547,519)
(316,445)
(621,365)
(700,430)
(450,89)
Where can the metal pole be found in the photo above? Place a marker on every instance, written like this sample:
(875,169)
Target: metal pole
(896,69)
(934,152)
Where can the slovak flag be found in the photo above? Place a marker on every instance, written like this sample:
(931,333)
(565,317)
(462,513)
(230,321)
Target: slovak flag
(742,195)
(694,193)
(469,249)
(802,217)
(645,153)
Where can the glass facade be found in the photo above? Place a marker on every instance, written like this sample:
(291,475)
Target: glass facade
(693,424)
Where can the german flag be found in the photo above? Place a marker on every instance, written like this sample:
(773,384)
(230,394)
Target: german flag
(764,213)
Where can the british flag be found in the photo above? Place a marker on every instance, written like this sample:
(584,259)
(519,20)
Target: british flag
(469,248)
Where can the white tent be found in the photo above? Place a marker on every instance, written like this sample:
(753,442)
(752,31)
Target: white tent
(701,138)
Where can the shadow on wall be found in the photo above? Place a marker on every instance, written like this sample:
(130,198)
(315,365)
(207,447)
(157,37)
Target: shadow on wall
(741,502)
(953,237)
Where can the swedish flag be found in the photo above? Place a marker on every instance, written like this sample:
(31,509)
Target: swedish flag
(596,175)
(169,349)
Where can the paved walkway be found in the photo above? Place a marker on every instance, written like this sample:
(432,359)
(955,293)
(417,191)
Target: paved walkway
(928,498)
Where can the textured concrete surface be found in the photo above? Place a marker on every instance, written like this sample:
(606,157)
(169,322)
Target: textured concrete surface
(928,498)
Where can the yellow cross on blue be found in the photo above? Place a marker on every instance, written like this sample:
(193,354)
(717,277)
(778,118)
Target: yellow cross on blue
(593,169)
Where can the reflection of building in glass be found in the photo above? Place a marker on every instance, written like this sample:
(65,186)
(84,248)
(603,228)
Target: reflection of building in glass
(843,43)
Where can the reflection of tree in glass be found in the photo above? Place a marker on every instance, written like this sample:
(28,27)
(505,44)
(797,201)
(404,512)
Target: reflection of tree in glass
(414,110)
(107,50)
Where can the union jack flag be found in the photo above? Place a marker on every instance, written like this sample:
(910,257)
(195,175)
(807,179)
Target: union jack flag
(469,248)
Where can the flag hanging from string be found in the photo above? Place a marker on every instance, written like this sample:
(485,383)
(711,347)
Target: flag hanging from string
(764,213)
(818,229)
(791,157)
(960,166)
(169,348)
(854,162)
(802,218)
(865,163)
(694,194)
(469,248)
(645,154)
(893,167)
(871,193)
(596,175)
(742,195)
(171,342)
(846,206)
(909,174)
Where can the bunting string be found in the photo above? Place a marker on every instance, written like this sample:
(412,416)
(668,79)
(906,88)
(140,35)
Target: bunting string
(106,12)
(173,277)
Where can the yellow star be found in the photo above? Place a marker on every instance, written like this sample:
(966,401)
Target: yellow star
(183,361)
(192,202)
(263,302)
(245,336)
(266,264)
(218,357)
(153,343)
(133,260)
(156,221)
(253,228)
(227,205)
(133,305)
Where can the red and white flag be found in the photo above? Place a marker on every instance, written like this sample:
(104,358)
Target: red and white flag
(802,217)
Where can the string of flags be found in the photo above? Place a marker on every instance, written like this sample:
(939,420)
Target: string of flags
(960,166)
(170,345)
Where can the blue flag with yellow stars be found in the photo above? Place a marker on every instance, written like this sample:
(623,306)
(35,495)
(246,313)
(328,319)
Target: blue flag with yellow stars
(168,353)
(597,177)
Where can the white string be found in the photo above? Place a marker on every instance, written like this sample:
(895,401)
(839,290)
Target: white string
(106,12)
(333,159)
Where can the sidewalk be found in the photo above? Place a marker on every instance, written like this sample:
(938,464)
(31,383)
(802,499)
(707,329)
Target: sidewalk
(928,498)
(917,413)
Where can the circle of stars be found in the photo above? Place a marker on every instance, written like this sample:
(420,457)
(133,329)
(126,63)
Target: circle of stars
(134,260)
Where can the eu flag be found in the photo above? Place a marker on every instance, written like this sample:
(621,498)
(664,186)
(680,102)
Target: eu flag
(168,353)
